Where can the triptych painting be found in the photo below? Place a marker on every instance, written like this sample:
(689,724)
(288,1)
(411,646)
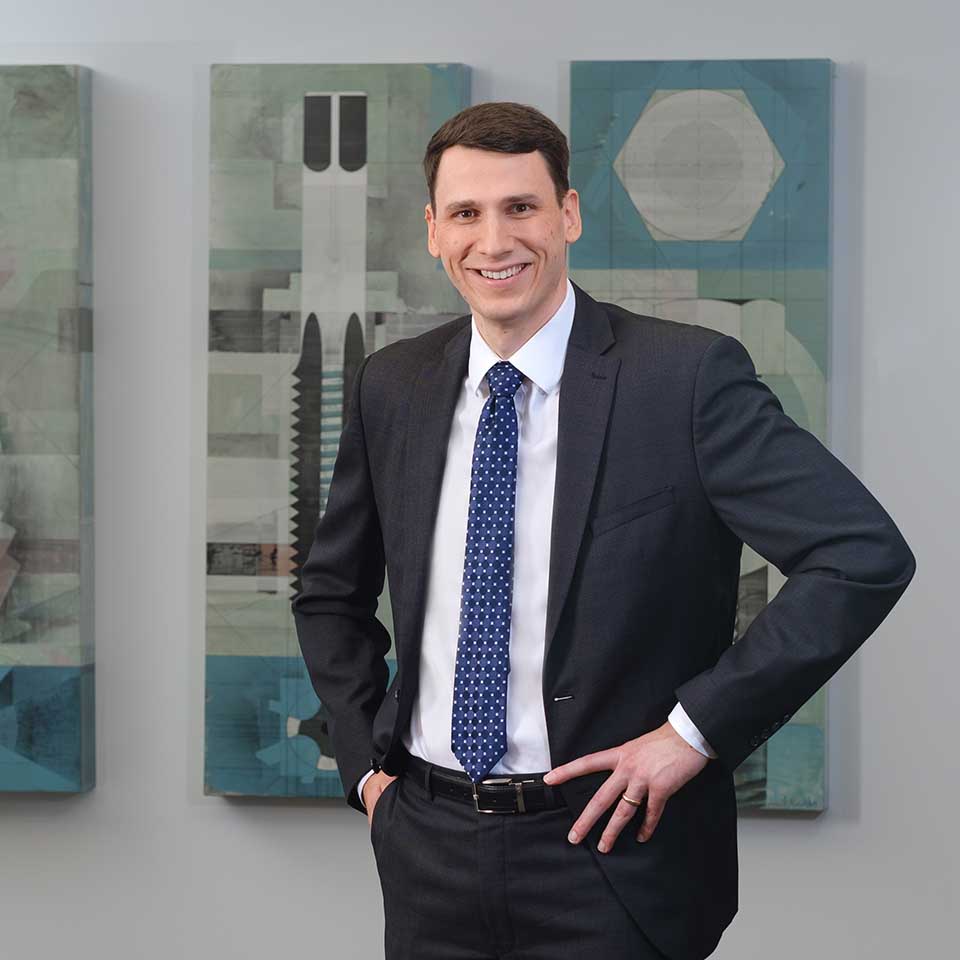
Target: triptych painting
(705,192)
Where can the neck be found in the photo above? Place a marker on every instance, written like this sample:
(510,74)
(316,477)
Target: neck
(507,337)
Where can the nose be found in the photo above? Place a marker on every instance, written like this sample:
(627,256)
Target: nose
(495,239)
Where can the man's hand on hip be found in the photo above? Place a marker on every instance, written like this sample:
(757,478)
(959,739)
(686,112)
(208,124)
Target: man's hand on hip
(654,766)
(372,789)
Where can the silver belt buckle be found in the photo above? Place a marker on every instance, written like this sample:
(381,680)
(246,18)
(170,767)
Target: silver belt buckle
(521,807)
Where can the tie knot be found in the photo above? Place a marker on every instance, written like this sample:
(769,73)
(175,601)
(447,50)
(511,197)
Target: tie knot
(504,379)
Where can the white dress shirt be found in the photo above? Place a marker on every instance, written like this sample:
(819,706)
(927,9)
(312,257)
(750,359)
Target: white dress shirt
(540,360)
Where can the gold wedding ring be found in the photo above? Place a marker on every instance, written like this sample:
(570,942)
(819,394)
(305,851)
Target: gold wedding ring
(636,803)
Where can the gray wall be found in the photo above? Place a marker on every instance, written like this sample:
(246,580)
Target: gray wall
(147,866)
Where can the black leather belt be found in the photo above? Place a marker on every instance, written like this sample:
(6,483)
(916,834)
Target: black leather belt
(504,793)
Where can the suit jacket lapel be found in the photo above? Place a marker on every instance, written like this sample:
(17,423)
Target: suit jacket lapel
(432,404)
(587,388)
(586,391)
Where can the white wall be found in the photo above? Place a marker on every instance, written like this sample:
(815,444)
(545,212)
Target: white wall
(148,867)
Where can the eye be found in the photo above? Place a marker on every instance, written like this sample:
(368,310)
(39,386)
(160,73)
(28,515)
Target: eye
(458,217)
(526,207)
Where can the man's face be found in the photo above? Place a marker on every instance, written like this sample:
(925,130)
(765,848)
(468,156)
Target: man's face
(498,212)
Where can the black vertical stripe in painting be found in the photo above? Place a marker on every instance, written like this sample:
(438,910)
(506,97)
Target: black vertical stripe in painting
(306,421)
(316,132)
(353,132)
(353,354)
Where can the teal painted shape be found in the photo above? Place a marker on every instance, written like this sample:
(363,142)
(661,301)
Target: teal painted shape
(249,751)
(795,768)
(20,774)
(792,103)
(46,729)
(450,90)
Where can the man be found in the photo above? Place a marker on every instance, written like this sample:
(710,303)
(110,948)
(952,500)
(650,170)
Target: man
(560,491)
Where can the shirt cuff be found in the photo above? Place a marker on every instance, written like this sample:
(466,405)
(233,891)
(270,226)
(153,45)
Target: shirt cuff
(363,780)
(687,729)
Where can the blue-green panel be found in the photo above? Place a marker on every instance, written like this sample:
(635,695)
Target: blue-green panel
(283,345)
(654,240)
(46,431)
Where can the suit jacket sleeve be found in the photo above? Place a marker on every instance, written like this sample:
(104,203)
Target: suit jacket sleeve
(342,642)
(778,489)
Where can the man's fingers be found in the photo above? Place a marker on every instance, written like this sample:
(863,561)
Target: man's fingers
(623,813)
(375,797)
(589,763)
(655,804)
(603,799)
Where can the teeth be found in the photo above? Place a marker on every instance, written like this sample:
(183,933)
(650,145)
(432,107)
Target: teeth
(503,274)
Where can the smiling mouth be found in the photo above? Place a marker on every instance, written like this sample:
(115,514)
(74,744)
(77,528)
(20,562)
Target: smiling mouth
(503,276)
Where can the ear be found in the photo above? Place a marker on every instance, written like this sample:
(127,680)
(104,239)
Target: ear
(432,245)
(573,225)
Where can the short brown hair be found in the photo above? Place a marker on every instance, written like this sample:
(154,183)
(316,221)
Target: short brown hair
(504,127)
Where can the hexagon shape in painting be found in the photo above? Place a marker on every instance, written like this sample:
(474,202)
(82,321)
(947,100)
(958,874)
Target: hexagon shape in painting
(698,165)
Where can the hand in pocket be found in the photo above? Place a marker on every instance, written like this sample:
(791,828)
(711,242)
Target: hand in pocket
(372,790)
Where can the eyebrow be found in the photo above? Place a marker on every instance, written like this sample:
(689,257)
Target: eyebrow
(465,204)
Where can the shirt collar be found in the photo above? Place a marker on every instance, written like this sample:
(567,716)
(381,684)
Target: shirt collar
(540,358)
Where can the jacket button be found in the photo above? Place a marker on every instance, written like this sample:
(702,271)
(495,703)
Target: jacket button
(396,694)
(786,717)
(375,764)
(754,741)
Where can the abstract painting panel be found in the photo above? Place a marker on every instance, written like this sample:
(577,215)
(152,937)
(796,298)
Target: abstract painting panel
(317,258)
(46,431)
(705,191)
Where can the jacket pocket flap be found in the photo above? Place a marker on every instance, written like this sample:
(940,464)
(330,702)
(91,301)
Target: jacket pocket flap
(630,511)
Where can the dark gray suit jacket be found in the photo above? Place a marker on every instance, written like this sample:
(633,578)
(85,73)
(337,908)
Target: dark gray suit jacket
(671,454)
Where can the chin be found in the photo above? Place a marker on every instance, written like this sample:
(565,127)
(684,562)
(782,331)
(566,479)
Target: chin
(503,310)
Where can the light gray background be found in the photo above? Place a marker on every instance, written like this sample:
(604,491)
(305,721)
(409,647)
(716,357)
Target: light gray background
(148,867)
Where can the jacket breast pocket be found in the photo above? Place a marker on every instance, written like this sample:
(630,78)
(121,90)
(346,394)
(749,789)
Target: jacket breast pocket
(631,511)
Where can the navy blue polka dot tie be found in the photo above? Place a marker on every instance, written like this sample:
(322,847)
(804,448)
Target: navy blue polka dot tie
(479,730)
